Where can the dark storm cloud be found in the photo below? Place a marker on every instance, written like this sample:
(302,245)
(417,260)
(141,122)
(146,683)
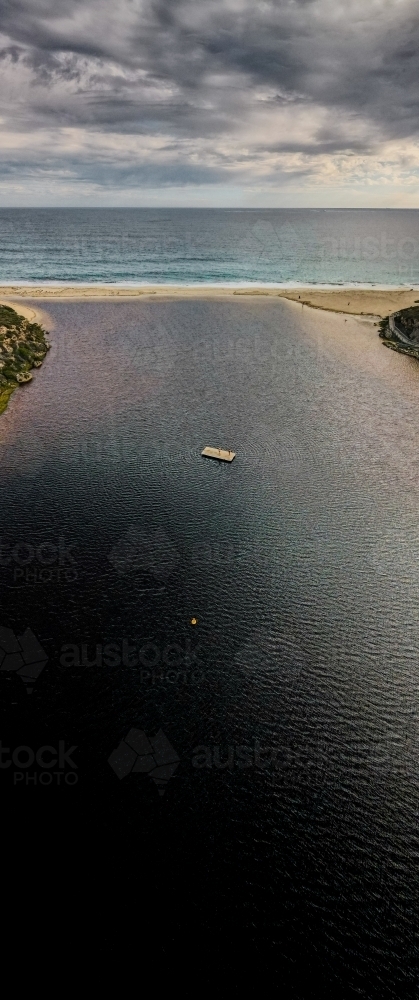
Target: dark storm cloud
(110,175)
(200,69)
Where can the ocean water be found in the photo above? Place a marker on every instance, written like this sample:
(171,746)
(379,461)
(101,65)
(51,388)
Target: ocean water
(286,841)
(273,246)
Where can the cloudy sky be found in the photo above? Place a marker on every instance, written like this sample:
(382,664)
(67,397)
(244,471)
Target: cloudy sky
(209,102)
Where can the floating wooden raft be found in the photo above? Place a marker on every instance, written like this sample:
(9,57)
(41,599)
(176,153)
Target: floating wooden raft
(220,453)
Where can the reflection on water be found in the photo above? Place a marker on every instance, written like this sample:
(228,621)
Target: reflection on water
(300,562)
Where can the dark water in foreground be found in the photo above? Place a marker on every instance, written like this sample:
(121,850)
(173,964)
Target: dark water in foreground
(289,842)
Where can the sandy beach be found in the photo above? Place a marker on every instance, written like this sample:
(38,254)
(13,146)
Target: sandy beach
(355,301)
(33,315)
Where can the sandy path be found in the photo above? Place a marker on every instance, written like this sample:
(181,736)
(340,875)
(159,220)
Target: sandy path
(33,315)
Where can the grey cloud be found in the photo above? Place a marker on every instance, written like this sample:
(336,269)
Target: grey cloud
(108,174)
(194,69)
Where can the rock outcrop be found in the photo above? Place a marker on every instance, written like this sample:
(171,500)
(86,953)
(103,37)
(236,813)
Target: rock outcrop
(23,346)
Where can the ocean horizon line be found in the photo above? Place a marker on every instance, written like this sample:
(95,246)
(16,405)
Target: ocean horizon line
(206,208)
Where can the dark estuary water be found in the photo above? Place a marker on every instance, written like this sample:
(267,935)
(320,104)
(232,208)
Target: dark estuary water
(255,774)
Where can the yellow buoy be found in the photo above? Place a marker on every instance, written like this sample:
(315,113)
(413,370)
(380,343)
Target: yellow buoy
(194,621)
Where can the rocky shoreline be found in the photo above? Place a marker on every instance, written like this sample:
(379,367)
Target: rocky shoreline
(23,346)
(400,331)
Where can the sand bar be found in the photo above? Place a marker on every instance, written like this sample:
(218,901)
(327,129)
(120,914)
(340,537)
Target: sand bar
(356,301)
(33,315)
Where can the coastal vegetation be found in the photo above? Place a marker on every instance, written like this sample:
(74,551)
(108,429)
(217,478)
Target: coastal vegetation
(400,331)
(23,346)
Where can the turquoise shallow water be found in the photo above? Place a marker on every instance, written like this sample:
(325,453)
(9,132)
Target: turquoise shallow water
(210,246)
(301,563)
